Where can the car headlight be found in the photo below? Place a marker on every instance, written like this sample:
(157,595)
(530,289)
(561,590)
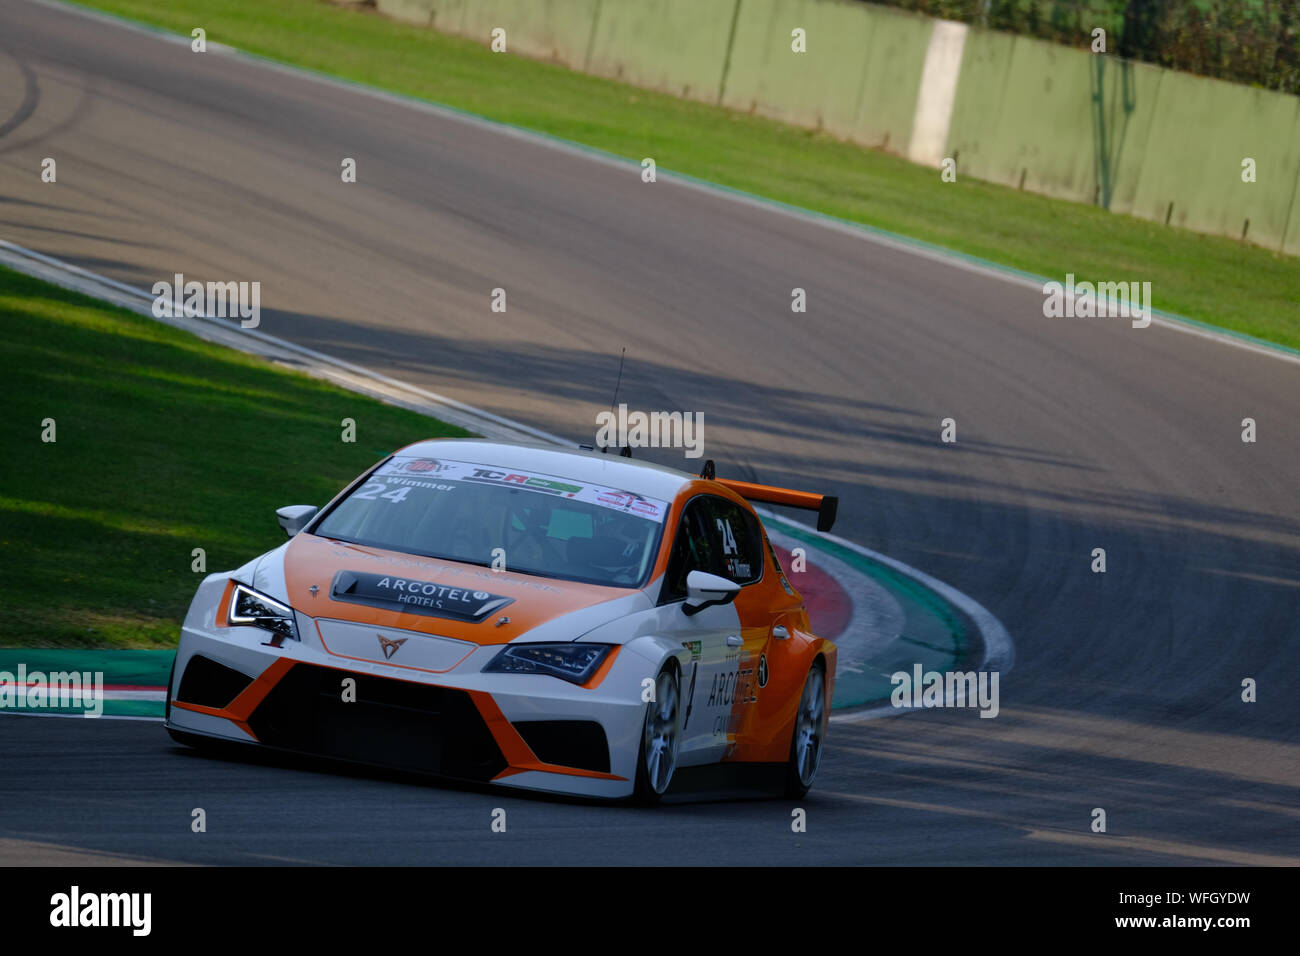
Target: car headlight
(571,662)
(257,610)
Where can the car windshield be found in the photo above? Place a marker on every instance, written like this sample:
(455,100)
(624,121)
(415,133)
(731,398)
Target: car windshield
(502,517)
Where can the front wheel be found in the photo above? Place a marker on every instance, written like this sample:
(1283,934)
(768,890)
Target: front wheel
(167,704)
(809,734)
(660,739)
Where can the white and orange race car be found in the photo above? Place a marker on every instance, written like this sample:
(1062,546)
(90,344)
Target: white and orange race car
(522,615)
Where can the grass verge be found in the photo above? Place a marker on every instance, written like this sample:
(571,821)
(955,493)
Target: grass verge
(163,443)
(1212,279)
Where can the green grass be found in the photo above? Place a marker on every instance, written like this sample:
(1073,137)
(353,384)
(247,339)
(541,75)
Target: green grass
(1212,279)
(164,443)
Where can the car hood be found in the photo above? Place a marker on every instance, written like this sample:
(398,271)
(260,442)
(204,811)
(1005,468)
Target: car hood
(389,589)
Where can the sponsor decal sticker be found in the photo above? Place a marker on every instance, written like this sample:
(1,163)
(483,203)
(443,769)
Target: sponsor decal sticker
(415,596)
(423,465)
(402,470)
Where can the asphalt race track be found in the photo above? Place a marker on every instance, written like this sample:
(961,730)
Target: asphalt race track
(1073,434)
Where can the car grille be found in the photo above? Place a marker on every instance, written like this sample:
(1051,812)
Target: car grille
(392,723)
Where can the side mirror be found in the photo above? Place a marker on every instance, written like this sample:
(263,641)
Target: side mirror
(293,518)
(705,590)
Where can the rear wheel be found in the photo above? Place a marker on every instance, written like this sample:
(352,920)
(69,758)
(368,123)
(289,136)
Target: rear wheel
(660,739)
(809,734)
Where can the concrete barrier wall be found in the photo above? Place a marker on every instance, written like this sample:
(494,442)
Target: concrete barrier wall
(818,87)
(1201,131)
(546,29)
(1021,116)
(676,46)
(1129,95)
(1130,137)
(412,11)
(1052,120)
(1291,243)
(1065,122)
(1029,114)
(858,78)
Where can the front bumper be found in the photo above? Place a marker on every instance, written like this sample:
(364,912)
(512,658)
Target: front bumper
(528,731)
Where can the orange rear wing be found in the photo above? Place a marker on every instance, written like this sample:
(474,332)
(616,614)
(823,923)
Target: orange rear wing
(825,505)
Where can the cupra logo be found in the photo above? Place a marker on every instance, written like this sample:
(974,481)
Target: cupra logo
(390,647)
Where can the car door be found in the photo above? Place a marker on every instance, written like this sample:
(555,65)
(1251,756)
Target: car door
(714,536)
(709,634)
(740,547)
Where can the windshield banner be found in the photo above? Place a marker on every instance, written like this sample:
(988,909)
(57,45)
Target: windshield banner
(419,471)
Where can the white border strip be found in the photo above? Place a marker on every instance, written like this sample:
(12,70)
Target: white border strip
(938,93)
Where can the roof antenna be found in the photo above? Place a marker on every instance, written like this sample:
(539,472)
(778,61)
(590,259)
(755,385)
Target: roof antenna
(614,400)
(626,452)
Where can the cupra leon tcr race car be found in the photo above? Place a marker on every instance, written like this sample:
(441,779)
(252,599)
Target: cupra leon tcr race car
(525,616)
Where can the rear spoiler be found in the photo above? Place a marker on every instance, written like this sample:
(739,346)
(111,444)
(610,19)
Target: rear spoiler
(824,505)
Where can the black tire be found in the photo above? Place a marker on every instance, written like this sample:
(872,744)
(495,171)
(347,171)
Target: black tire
(801,768)
(167,706)
(667,695)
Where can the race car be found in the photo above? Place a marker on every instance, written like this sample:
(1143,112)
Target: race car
(517,615)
